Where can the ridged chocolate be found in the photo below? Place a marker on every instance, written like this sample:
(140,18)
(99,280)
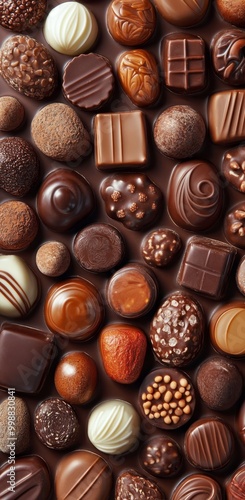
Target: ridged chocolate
(226,116)
(31,479)
(227,49)
(197,487)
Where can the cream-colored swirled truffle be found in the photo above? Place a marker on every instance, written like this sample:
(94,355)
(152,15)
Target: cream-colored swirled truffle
(114,427)
(70,28)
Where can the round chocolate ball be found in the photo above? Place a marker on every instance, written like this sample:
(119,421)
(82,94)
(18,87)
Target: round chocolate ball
(160,247)
(12,113)
(161,456)
(76,377)
(219,383)
(179,131)
(232,11)
(53,258)
(18,225)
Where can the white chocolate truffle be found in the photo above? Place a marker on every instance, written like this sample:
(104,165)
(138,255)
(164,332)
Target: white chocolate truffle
(70,28)
(114,427)
(19,288)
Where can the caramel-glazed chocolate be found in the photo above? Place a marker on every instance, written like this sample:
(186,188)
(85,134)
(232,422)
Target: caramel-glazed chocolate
(153,222)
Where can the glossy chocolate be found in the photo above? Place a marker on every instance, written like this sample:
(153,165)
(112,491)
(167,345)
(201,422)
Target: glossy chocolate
(167,398)
(82,473)
(226,116)
(199,486)
(227,329)
(233,167)
(228,56)
(241,423)
(184,63)
(185,14)
(206,266)
(32,357)
(31,479)
(205,452)
(195,195)
(177,330)
(131,23)
(160,247)
(161,456)
(235,488)
(64,199)
(73,308)
(132,483)
(234,225)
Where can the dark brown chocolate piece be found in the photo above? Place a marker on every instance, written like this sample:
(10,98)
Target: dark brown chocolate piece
(83,474)
(131,23)
(22,75)
(88,81)
(22,16)
(241,423)
(160,247)
(31,357)
(227,329)
(30,479)
(56,424)
(138,74)
(232,11)
(167,398)
(177,330)
(184,14)
(199,486)
(184,63)
(131,484)
(234,225)
(19,166)
(206,266)
(209,444)
(195,195)
(228,58)
(233,167)
(18,225)
(12,113)
(219,383)
(132,199)
(115,136)
(132,291)
(226,116)
(235,488)
(179,131)
(64,199)
(99,247)
(161,456)
(73,308)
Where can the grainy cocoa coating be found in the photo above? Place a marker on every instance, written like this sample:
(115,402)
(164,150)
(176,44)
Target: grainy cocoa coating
(53,258)
(19,166)
(18,225)
(21,425)
(21,15)
(12,113)
(28,67)
(59,133)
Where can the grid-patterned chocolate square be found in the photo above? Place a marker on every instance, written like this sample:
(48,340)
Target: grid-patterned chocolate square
(183,59)
(206,266)
(120,140)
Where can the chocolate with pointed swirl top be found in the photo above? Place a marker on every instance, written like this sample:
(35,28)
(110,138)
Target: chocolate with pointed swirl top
(228,56)
(195,195)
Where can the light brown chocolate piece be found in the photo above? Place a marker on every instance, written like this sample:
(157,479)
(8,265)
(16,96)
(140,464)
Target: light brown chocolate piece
(184,13)
(227,329)
(131,23)
(226,116)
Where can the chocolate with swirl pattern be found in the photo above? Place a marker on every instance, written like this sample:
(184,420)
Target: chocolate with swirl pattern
(197,487)
(195,195)
(228,56)
(235,488)
(131,23)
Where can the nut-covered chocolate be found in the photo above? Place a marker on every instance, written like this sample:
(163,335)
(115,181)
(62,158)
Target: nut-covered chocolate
(19,166)
(160,247)
(177,330)
(234,225)
(161,456)
(131,23)
(28,67)
(167,398)
(138,74)
(226,328)
(186,14)
(132,199)
(141,487)
(233,167)
(228,56)
(22,16)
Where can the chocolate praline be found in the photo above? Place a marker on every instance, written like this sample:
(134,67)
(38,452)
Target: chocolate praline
(199,486)
(219,383)
(12,113)
(235,487)
(184,14)
(18,225)
(227,49)
(160,247)
(130,482)
(64,199)
(232,11)
(226,329)
(23,16)
(15,411)
(234,225)
(161,456)
(240,424)
(131,23)
(32,479)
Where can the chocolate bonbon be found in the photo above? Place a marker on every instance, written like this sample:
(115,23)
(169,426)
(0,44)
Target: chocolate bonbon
(241,422)
(83,474)
(227,56)
(227,329)
(167,398)
(53,258)
(235,487)
(22,425)
(233,167)
(232,12)
(22,17)
(177,330)
(32,357)
(195,195)
(161,456)
(31,479)
(64,198)
(234,225)
(73,308)
(18,225)
(130,23)
(185,15)
(12,113)
(160,247)
(200,486)
(131,483)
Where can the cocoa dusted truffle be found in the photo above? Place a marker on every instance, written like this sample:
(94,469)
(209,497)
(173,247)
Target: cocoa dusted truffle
(59,133)
(232,11)
(18,225)
(19,166)
(179,131)
(53,258)
(18,409)
(21,15)
(12,113)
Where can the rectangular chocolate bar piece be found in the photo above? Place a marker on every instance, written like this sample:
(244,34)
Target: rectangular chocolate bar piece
(183,59)
(206,266)
(120,140)
(226,116)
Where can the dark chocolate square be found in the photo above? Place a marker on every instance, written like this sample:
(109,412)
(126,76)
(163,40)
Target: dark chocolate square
(120,140)
(206,266)
(26,355)
(184,63)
